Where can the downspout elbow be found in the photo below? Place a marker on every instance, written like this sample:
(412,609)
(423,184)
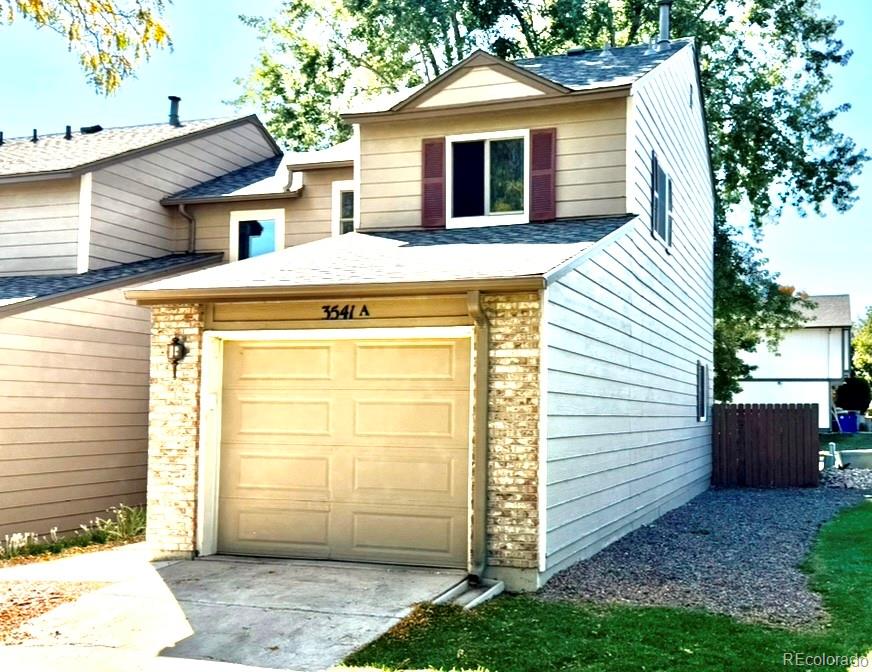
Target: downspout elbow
(192,228)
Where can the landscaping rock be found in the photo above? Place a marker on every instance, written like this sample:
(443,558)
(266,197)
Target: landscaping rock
(852,479)
(733,552)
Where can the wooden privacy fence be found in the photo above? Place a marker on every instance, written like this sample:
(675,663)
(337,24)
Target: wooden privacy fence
(765,445)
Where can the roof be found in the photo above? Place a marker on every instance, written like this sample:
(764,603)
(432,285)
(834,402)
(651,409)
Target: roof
(577,70)
(25,288)
(54,154)
(833,310)
(413,256)
(268,178)
(591,68)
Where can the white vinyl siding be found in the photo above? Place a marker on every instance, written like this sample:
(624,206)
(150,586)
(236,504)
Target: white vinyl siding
(624,333)
(73,412)
(39,227)
(128,223)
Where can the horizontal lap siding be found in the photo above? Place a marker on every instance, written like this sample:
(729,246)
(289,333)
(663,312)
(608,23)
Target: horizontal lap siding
(39,227)
(128,222)
(307,218)
(591,159)
(624,332)
(73,412)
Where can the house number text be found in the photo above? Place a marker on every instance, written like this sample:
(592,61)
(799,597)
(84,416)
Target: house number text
(346,312)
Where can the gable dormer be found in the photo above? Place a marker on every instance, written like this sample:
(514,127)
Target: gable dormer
(497,142)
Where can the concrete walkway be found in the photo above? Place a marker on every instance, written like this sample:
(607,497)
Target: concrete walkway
(162,617)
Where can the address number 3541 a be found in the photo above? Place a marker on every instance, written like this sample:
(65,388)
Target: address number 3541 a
(347,312)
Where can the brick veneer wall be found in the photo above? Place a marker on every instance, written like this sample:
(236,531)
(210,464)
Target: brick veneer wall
(513,429)
(173,432)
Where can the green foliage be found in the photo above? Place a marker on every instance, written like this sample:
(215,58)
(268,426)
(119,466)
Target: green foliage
(517,634)
(110,36)
(862,344)
(764,66)
(126,524)
(854,394)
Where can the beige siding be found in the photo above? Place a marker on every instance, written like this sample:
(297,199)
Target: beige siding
(307,218)
(128,222)
(38,227)
(477,85)
(73,412)
(591,159)
(624,333)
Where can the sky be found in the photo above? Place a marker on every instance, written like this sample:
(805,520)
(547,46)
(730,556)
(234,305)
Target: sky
(820,255)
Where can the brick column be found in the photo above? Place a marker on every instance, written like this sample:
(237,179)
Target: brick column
(513,433)
(173,434)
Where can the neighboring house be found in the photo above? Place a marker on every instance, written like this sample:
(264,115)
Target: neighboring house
(808,363)
(81,218)
(503,369)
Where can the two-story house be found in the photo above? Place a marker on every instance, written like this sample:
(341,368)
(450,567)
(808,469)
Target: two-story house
(502,367)
(807,364)
(82,218)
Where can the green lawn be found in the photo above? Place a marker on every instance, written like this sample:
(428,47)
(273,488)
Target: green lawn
(517,633)
(848,441)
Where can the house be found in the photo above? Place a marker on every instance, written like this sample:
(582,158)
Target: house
(503,367)
(82,219)
(808,363)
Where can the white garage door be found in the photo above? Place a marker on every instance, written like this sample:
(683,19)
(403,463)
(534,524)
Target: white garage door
(347,450)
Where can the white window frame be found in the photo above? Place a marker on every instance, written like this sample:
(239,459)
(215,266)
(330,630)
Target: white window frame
(336,213)
(237,216)
(666,239)
(523,217)
(702,392)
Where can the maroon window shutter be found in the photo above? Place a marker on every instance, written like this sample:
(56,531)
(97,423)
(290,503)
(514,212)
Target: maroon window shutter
(543,165)
(433,183)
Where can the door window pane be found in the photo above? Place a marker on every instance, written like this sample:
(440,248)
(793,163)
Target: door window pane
(507,175)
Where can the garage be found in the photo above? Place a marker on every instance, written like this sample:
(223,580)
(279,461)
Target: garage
(346,448)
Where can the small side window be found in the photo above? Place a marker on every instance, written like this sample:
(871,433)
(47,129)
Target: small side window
(661,201)
(343,216)
(256,232)
(702,385)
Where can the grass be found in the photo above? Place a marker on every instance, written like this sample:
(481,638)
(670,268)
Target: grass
(125,524)
(521,633)
(859,441)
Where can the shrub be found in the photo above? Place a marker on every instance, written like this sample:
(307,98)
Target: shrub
(854,394)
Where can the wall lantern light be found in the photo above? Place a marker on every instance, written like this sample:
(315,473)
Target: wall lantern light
(176,352)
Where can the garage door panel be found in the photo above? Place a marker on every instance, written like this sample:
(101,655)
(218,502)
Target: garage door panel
(262,528)
(346,449)
(267,364)
(399,534)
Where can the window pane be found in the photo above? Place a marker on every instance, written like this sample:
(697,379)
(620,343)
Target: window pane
(346,208)
(256,237)
(346,225)
(507,175)
(467,181)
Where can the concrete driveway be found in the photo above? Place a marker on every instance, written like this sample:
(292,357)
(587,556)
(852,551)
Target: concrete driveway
(284,614)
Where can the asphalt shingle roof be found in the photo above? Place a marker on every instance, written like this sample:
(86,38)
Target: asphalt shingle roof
(595,67)
(52,153)
(14,289)
(832,310)
(259,178)
(520,250)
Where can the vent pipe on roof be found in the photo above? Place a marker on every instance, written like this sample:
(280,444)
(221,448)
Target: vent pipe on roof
(665,7)
(1,137)
(35,136)
(68,135)
(174,110)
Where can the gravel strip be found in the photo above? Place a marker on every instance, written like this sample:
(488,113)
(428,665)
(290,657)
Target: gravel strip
(854,479)
(732,552)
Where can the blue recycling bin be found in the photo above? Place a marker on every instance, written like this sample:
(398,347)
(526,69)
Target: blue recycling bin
(848,423)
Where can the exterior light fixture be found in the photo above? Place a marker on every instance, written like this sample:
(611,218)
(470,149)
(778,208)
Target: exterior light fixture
(176,352)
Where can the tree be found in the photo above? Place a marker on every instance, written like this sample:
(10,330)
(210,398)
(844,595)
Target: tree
(853,395)
(110,36)
(764,68)
(862,344)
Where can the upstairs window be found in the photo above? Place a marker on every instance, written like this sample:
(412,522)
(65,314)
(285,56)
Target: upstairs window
(488,178)
(661,202)
(343,219)
(256,232)
(702,385)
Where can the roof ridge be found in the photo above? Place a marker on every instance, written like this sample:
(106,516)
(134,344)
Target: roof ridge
(60,134)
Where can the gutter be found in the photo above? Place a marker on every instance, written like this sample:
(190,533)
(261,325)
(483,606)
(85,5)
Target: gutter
(230,198)
(146,297)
